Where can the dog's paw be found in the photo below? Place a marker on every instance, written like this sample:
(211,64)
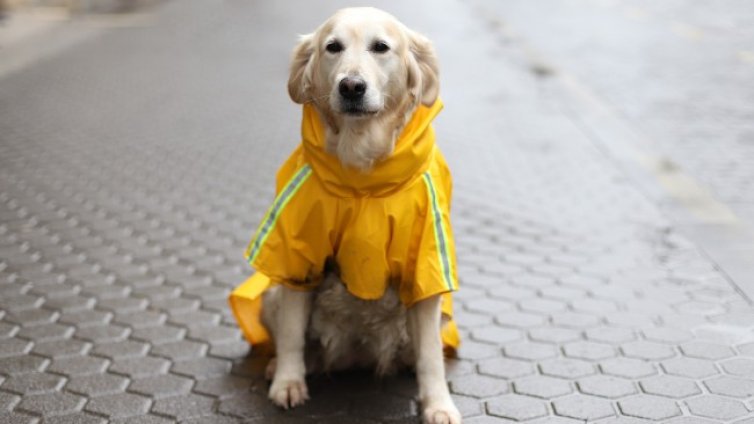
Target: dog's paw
(269,370)
(442,414)
(288,393)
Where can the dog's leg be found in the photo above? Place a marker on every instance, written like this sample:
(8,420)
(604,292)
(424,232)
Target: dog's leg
(424,324)
(288,387)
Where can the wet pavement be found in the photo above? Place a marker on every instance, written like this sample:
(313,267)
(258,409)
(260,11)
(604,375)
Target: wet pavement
(136,164)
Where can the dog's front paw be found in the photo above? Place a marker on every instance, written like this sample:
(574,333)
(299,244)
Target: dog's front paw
(442,414)
(288,393)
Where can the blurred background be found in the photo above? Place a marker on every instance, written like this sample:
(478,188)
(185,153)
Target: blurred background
(603,159)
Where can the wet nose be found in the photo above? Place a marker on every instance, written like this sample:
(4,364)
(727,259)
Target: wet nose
(352,88)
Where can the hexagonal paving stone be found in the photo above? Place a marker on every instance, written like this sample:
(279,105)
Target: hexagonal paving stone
(716,407)
(706,350)
(474,350)
(478,386)
(158,334)
(489,306)
(161,386)
(610,335)
(505,368)
(566,368)
(14,347)
(35,383)
(731,386)
(97,384)
(75,418)
(542,387)
(649,407)
(8,401)
(121,349)
(519,319)
(647,350)
(574,320)
(202,367)
(185,406)
(46,332)
(740,366)
(495,335)
(588,350)
(140,367)
(667,335)
(78,365)
(224,387)
(530,351)
(627,367)
(669,386)
(691,420)
(606,386)
(120,405)
(15,418)
(516,407)
(22,364)
(583,407)
(181,350)
(467,406)
(554,335)
(689,367)
(51,404)
(62,348)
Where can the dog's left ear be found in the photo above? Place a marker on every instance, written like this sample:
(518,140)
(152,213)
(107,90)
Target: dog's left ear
(423,74)
(299,79)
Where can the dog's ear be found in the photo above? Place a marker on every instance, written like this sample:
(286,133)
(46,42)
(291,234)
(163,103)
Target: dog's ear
(423,76)
(299,80)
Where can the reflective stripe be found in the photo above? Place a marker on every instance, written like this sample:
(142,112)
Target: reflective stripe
(282,199)
(441,236)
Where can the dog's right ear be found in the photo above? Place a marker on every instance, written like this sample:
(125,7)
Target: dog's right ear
(299,80)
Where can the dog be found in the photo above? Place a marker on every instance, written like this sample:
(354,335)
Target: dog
(355,258)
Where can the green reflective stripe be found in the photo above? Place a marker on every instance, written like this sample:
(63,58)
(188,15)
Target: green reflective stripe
(441,236)
(282,199)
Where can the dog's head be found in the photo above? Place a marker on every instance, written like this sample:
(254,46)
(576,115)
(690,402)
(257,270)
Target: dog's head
(362,62)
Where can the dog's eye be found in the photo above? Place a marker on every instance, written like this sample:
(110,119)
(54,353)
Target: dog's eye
(380,47)
(334,47)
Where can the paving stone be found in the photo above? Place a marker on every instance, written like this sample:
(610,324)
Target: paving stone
(740,366)
(495,335)
(22,364)
(472,350)
(478,386)
(647,350)
(30,384)
(75,418)
(610,335)
(180,350)
(691,420)
(588,350)
(184,406)
(224,387)
(730,386)
(519,319)
(119,405)
(716,407)
(14,347)
(516,407)
(553,335)
(669,386)
(202,367)
(667,335)
(46,332)
(530,351)
(689,367)
(505,368)
(78,365)
(468,407)
(121,349)
(51,404)
(16,418)
(161,386)
(606,386)
(158,335)
(649,407)
(140,367)
(61,348)
(574,320)
(582,407)
(566,368)
(627,367)
(706,350)
(97,384)
(542,387)
(103,333)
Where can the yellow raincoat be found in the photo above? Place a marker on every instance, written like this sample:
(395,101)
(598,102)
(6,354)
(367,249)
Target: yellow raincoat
(389,226)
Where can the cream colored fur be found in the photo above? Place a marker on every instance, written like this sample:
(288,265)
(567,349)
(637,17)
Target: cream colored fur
(344,331)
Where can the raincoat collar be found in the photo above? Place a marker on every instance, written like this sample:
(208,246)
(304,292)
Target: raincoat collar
(411,156)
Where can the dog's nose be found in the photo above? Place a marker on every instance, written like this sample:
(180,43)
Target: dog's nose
(352,88)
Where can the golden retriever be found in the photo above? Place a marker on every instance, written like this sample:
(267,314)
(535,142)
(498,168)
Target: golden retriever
(366,73)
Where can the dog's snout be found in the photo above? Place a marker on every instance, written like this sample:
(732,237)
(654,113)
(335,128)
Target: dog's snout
(352,88)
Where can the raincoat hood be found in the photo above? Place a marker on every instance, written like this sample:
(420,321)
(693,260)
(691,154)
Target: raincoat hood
(410,157)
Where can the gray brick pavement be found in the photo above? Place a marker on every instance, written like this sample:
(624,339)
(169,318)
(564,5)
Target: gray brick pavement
(135,166)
